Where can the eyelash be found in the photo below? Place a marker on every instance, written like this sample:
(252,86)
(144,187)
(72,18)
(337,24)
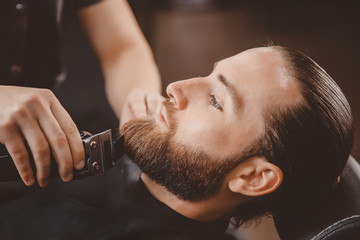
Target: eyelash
(215,103)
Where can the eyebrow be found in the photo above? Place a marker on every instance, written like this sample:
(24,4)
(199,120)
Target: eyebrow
(236,100)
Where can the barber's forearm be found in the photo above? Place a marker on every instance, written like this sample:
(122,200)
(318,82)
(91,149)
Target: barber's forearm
(134,68)
(122,49)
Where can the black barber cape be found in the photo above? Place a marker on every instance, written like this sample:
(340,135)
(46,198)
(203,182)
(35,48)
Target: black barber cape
(115,205)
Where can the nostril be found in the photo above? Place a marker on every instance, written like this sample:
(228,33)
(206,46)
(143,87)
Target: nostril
(169,91)
(170,95)
(176,95)
(172,99)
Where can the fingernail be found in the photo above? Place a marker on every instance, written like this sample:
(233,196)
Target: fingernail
(30,181)
(68,177)
(44,183)
(80,164)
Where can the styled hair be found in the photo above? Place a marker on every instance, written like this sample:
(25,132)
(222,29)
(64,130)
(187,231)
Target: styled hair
(310,142)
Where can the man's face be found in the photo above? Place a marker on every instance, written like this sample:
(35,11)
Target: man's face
(203,129)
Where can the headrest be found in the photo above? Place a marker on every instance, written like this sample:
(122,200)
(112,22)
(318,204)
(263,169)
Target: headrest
(335,216)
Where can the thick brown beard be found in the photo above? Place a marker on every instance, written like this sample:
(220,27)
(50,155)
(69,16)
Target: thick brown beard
(190,175)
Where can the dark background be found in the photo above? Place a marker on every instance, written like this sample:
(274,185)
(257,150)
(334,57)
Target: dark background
(188,36)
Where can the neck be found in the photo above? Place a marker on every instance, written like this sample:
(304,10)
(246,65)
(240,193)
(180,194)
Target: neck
(204,211)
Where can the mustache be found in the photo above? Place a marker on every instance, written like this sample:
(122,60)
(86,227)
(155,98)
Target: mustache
(148,123)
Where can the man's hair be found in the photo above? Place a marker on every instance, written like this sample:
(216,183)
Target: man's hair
(310,142)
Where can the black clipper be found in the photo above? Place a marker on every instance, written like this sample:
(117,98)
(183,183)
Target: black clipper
(102,150)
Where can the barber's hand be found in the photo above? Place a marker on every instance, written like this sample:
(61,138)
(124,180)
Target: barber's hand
(140,103)
(35,115)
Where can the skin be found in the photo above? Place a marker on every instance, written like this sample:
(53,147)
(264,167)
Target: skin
(132,86)
(211,120)
(132,80)
(256,77)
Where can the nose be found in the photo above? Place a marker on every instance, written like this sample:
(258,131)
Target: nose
(178,93)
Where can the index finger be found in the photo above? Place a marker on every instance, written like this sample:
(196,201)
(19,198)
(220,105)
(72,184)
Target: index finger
(139,107)
(153,102)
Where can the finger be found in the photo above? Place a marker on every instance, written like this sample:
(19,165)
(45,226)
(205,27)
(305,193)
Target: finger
(59,145)
(136,102)
(72,135)
(17,150)
(39,148)
(153,102)
(126,115)
(138,107)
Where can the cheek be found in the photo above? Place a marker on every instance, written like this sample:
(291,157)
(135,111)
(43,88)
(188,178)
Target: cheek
(203,133)
(217,136)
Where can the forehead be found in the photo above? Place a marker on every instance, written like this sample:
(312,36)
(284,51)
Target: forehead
(260,75)
(257,63)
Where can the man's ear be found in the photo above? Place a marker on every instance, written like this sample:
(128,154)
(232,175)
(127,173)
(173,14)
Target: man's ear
(254,177)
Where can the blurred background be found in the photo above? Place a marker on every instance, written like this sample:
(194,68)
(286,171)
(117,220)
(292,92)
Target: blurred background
(188,36)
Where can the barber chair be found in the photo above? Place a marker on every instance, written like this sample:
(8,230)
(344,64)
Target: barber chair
(336,216)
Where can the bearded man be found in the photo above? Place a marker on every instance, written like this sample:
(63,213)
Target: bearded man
(267,129)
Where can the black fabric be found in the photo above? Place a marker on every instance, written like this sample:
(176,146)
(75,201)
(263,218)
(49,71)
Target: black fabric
(335,216)
(115,205)
(30,43)
(42,52)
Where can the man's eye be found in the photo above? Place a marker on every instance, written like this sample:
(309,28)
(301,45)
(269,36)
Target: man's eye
(214,102)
